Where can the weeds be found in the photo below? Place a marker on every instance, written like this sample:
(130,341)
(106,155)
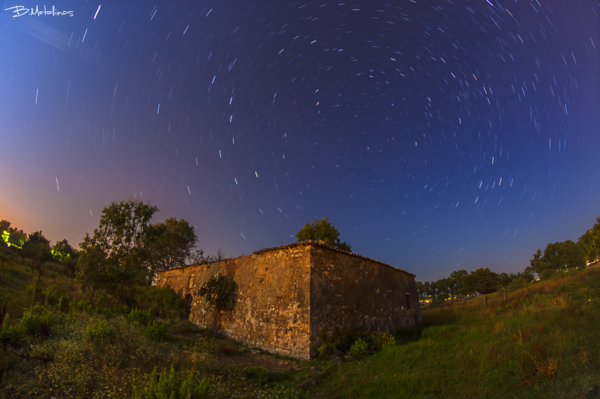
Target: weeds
(168,387)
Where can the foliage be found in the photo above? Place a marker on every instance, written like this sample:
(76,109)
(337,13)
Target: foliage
(171,244)
(114,256)
(359,348)
(482,280)
(324,231)
(62,252)
(142,317)
(345,340)
(36,321)
(95,270)
(559,256)
(166,386)
(161,301)
(10,236)
(37,247)
(219,292)
(153,329)
(101,332)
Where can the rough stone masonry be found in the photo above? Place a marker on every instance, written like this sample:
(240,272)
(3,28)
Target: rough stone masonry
(289,296)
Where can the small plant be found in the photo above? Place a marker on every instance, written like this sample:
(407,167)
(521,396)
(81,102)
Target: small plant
(359,348)
(35,321)
(142,317)
(8,333)
(165,386)
(383,340)
(101,332)
(220,293)
(155,330)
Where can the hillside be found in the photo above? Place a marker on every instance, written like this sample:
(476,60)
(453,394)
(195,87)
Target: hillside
(540,341)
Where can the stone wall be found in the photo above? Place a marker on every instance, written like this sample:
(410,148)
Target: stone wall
(289,296)
(272,311)
(357,292)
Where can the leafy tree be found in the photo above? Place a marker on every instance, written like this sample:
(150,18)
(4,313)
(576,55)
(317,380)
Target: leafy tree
(37,247)
(482,280)
(590,241)
(171,244)
(421,291)
(559,256)
(11,236)
(65,254)
(122,238)
(455,283)
(95,270)
(4,235)
(324,231)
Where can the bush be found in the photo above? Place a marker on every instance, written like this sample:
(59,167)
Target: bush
(8,333)
(359,348)
(35,321)
(53,296)
(101,332)
(162,301)
(383,340)
(166,386)
(155,330)
(220,293)
(142,317)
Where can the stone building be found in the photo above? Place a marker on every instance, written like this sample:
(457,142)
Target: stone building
(289,296)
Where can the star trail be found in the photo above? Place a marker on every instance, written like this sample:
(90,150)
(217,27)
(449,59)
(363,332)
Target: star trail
(435,135)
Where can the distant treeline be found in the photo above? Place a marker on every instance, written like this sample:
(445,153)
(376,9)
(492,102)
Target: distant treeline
(558,256)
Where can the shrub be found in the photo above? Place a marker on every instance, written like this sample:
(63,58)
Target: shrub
(53,295)
(9,333)
(162,301)
(155,330)
(219,292)
(100,332)
(383,340)
(142,317)
(166,386)
(359,348)
(35,320)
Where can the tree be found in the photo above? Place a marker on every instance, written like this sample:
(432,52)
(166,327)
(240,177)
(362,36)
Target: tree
(482,280)
(456,285)
(590,241)
(65,254)
(122,237)
(559,256)
(10,236)
(95,270)
(171,244)
(324,231)
(37,247)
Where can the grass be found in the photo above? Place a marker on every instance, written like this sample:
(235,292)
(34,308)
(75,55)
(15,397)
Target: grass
(541,341)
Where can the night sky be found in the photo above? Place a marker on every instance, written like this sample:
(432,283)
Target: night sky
(435,135)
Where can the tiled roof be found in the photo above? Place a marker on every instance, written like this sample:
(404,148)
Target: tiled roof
(321,244)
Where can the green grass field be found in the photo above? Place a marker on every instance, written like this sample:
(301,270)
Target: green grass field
(539,342)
